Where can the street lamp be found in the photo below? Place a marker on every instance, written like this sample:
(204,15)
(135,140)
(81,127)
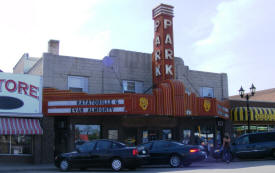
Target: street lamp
(247,96)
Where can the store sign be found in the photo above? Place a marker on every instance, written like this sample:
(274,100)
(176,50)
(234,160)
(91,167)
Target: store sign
(265,117)
(163,55)
(20,93)
(86,106)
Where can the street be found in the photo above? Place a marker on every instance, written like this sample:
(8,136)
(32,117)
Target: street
(258,166)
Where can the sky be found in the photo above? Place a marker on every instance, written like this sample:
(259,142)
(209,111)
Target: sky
(221,36)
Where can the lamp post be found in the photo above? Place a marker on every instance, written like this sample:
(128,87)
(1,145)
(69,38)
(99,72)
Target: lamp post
(247,96)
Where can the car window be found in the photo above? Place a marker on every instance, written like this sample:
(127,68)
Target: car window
(243,140)
(103,145)
(117,145)
(87,147)
(161,144)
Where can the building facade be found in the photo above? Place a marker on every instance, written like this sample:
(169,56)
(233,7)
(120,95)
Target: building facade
(261,112)
(20,116)
(129,96)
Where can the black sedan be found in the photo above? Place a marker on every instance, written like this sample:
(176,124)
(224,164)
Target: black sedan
(102,153)
(173,153)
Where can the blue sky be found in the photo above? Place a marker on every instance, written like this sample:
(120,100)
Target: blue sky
(223,36)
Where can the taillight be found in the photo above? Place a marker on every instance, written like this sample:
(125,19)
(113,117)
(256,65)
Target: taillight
(135,152)
(194,150)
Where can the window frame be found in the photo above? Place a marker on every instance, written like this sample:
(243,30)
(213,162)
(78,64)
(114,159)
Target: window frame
(19,154)
(138,86)
(84,81)
(204,92)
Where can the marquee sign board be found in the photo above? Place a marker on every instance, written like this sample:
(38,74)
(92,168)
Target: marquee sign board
(20,93)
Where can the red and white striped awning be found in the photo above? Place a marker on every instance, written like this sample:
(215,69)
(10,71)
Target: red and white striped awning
(20,126)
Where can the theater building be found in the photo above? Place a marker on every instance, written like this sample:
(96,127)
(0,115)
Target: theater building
(129,96)
(20,115)
(261,112)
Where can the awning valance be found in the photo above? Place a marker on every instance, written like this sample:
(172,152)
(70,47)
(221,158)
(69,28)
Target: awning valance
(256,114)
(20,126)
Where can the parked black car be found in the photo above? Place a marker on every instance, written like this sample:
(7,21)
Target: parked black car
(173,153)
(254,145)
(102,153)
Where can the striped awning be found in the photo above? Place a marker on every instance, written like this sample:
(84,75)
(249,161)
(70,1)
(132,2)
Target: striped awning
(20,126)
(256,114)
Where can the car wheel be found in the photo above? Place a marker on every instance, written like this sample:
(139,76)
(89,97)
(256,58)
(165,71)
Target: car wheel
(175,161)
(116,164)
(64,165)
(186,164)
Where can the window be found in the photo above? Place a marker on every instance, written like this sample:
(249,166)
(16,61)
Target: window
(243,140)
(132,86)
(87,147)
(186,136)
(103,145)
(15,144)
(117,145)
(113,134)
(206,92)
(78,84)
(166,134)
(86,132)
(160,145)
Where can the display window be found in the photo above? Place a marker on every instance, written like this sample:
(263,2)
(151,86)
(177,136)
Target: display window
(113,134)
(166,134)
(186,136)
(242,129)
(86,132)
(16,144)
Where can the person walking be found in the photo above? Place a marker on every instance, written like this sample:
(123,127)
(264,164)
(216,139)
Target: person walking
(226,147)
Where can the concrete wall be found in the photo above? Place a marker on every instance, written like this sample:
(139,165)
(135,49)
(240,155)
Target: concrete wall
(56,70)
(125,65)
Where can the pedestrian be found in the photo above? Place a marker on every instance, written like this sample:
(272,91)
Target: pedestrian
(226,147)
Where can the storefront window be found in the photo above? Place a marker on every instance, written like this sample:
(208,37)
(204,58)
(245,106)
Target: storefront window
(166,134)
(242,129)
(186,136)
(16,144)
(86,132)
(113,134)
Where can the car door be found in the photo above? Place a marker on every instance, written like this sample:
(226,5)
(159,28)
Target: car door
(85,156)
(242,147)
(258,144)
(102,152)
(160,152)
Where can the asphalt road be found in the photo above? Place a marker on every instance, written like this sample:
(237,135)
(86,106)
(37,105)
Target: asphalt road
(258,166)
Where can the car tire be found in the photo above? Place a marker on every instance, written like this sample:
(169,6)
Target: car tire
(65,165)
(186,164)
(175,161)
(116,164)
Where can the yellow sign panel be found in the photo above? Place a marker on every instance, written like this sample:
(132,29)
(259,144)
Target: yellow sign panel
(143,103)
(207,105)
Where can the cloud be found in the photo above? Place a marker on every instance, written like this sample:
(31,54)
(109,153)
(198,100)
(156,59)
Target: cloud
(240,44)
(26,27)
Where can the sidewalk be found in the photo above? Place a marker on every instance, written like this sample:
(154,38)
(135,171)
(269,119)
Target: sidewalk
(17,167)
